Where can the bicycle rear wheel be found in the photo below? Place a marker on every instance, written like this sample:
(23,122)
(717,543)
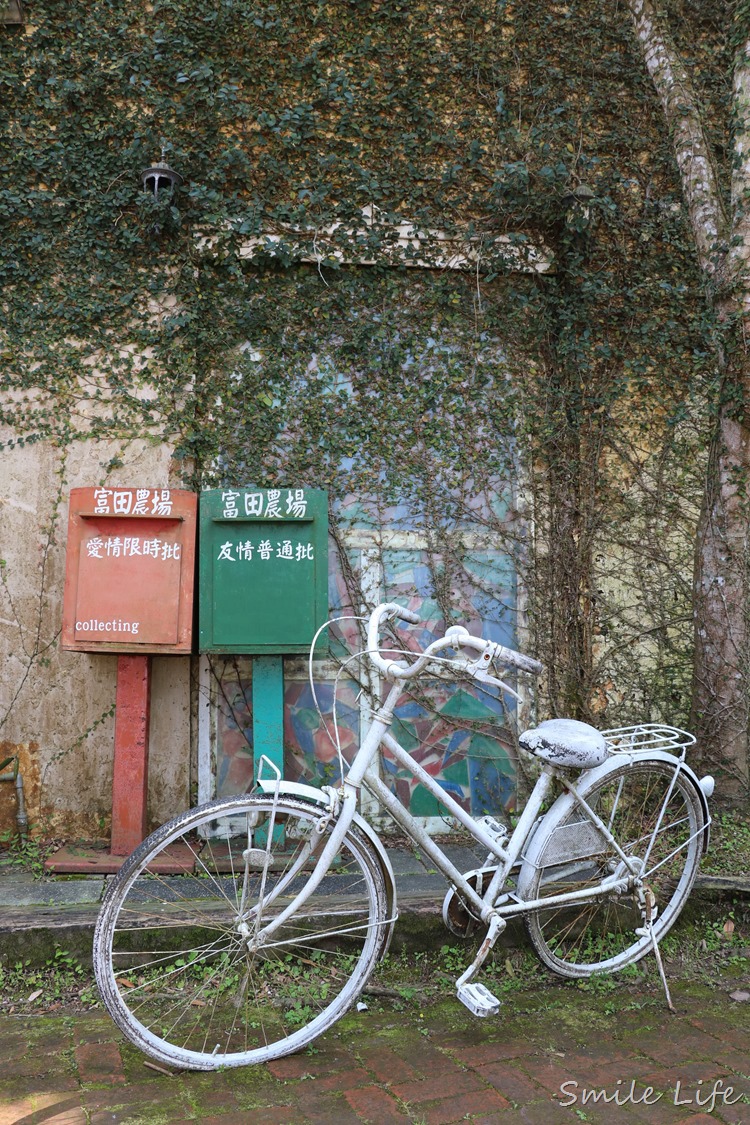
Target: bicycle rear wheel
(175,955)
(658,821)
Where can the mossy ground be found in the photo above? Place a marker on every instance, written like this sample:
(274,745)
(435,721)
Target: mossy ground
(710,944)
(415,1052)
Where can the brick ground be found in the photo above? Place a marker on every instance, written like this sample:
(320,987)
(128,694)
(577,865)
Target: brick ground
(553,1055)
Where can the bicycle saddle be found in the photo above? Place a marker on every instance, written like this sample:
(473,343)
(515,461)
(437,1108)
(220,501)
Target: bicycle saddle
(566,742)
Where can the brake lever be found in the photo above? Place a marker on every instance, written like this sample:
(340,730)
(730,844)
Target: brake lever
(478,670)
(473,669)
(485,678)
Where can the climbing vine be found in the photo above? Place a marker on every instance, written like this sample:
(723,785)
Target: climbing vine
(271,321)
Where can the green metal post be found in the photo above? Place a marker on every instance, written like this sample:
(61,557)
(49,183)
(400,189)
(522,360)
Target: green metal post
(268,711)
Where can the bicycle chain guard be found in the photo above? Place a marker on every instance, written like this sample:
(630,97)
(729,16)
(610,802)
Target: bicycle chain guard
(458,917)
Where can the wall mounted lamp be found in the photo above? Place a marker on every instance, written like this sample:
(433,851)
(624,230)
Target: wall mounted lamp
(160,178)
(577,207)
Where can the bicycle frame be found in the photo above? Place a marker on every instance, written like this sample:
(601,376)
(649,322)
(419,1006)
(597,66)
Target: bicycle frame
(363,771)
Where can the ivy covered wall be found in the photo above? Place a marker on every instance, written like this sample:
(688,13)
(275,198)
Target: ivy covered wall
(234,330)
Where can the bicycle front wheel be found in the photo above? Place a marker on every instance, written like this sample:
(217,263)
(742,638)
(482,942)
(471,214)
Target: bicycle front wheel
(175,951)
(658,820)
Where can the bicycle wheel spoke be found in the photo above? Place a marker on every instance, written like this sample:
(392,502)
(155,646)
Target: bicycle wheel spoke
(165,957)
(177,959)
(657,818)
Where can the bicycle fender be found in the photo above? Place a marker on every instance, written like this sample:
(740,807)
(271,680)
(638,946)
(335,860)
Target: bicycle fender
(566,802)
(302,792)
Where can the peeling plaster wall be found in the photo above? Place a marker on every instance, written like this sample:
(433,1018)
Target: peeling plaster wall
(59,700)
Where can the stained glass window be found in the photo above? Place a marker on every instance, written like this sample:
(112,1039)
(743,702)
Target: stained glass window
(460,735)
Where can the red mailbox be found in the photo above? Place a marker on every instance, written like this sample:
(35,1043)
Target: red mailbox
(128,590)
(129,570)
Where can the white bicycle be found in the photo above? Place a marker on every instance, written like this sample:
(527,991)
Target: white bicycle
(243,929)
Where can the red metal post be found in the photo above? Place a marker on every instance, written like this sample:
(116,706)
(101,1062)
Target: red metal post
(130,779)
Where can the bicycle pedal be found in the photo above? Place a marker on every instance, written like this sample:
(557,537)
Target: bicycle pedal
(478,999)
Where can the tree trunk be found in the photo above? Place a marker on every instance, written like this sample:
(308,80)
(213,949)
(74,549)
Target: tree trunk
(721,680)
(721,235)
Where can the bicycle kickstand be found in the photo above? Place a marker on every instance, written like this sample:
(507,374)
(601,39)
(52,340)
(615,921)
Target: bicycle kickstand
(648,931)
(476,997)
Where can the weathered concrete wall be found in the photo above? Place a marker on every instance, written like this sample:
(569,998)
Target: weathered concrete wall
(60,702)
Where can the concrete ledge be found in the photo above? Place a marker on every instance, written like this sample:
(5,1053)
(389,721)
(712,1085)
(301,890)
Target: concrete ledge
(39,916)
(45,893)
(723,884)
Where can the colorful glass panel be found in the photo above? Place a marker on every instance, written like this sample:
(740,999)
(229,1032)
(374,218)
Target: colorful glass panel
(456,732)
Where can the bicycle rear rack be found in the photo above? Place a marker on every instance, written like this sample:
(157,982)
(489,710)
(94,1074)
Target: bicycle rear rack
(646,738)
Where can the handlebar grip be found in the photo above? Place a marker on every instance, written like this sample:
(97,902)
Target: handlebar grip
(390,668)
(528,664)
(509,656)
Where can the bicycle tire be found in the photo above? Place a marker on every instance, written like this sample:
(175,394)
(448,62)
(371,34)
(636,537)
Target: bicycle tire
(179,978)
(581,939)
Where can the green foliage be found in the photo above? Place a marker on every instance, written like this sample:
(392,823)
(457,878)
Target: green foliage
(587,386)
(24,854)
(45,986)
(729,852)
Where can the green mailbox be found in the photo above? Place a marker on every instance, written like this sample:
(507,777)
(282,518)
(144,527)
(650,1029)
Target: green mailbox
(263,578)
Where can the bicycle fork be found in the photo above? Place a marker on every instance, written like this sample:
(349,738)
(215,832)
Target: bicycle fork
(344,817)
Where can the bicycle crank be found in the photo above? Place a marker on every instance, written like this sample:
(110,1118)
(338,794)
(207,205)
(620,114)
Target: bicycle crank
(458,916)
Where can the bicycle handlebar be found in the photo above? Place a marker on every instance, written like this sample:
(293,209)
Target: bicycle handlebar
(456,636)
